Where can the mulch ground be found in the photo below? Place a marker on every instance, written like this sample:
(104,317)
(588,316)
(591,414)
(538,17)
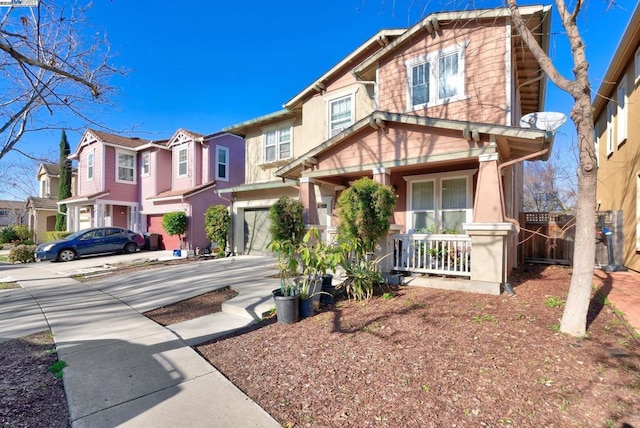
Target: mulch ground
(432,358)
(30,395)
(195,307)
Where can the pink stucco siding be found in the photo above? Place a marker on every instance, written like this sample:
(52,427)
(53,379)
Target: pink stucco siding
(187,181)
(126,192)
(88,186)
(484,73)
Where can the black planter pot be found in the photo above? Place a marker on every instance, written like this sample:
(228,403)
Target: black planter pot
(287,307)
(306,307)
(328,290)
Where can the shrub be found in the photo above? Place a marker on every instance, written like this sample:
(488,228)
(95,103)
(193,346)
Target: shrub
(8,234)
(216,225)
(54,235)
(22,253)
(175,223)
(24,233)
(365,209)
(287,221)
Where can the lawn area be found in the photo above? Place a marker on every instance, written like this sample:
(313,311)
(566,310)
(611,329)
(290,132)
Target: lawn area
(440,358)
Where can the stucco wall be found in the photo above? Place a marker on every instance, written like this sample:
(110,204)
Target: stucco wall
(184,182)
(485,82)
(126,192)
(618,172)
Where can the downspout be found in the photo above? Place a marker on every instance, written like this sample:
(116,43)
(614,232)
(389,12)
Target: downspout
(507,287)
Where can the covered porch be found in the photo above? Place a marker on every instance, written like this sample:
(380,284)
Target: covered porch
(457,196)
(98,211)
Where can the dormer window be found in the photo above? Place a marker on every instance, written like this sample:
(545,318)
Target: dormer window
(436,78)
(126,167)
(277,143)
(183,158)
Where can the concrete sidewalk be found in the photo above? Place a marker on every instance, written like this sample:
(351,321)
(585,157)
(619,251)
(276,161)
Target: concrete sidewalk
(124,369)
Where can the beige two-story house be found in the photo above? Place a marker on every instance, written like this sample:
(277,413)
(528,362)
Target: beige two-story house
(616,118)
(433,111)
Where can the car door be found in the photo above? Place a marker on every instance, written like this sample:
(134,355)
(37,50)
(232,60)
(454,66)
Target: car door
(115,239)
(91,242)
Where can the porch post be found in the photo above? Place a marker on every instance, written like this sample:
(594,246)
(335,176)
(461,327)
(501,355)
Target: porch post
(308,198)
(489,204)
(380,175)
(488,254)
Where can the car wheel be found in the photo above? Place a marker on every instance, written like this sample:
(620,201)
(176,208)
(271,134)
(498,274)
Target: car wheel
(66,255)
(131,247)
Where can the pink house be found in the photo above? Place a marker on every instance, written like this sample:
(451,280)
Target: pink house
(132,182)
(433,111)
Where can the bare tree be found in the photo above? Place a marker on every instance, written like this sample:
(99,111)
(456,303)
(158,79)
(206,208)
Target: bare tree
(547,187)
(574,319)
(17,178)
(47,66)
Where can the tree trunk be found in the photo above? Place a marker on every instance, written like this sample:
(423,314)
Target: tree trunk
(574,318)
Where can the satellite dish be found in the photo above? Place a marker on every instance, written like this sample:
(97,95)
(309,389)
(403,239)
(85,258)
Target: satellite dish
(547,120)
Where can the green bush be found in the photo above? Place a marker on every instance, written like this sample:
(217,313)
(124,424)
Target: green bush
(365,210)
(8,234)
(22,253)
(24,233)
(216,225)
(55,235)
(175,223)
(287,221)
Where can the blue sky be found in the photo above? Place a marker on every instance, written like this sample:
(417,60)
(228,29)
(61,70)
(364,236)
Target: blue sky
(205,65)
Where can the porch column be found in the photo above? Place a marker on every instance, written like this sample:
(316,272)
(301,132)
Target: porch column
(380,175)
(489,254)
(308,198)
(489,202)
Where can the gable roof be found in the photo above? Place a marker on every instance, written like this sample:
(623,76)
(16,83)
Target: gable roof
(113,140)
(532,101)
(267,119)
(524,139)
(625,50)
(42,203)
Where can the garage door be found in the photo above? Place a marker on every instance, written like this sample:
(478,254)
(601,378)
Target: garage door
(256,231)
(154,225)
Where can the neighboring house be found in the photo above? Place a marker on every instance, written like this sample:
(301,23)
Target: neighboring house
(41,210)
(12,213)
(132,182)
(616,119)
(433,111)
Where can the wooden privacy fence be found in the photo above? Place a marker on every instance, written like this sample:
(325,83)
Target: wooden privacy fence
(546,237)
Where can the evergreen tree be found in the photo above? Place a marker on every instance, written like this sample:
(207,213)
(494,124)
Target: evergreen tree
(64,183)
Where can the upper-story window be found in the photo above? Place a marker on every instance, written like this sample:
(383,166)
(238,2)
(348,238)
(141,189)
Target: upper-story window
(277,143)
(91,157)
(183,159)
(340,114)
(436,78)
(637,65)
(146,163)
(610,143)
(222,163)
(621,119)
(4,213)
(126,167)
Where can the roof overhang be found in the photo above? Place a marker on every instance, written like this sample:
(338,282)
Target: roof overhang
(241,128)
(180,195)
(513,142)
(259,186)
(79,199)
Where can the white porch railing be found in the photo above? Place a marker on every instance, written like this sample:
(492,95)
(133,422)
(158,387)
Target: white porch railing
(433,254)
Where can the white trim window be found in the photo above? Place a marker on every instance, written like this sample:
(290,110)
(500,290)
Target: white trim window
(146,164)
(91,160)
(621,120)
(637,65)
(610,144)
(438,203)
(277,143)
(222,163)
(436,78)
(183,161)
(125,167)
(340,114)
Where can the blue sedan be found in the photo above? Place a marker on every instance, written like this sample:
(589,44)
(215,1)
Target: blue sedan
(96,240)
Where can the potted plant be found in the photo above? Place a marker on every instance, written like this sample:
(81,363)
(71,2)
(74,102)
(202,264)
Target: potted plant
(287,296)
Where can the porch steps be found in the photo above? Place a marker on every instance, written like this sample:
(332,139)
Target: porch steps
(454,284)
